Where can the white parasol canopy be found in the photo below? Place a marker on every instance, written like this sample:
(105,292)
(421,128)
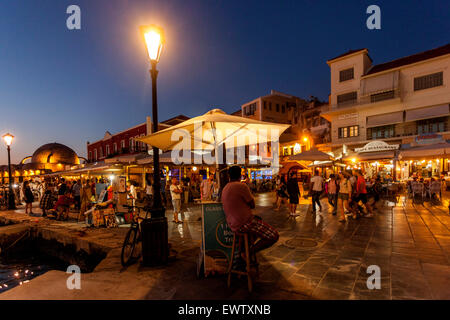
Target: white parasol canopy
(214,128)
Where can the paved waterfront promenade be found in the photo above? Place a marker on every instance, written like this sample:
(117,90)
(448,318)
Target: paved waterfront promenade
(316,258)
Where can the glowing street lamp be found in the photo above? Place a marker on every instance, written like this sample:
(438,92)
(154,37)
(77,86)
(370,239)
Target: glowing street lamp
(155,245)
(8,138)
(306,141)
(154,40)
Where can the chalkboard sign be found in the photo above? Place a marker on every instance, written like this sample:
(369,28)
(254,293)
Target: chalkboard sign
(217,238)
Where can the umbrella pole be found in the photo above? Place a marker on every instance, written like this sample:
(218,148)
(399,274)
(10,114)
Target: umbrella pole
(222,172)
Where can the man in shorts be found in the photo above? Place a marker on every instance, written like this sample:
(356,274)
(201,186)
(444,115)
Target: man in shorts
(316,187)
(361,193)
(238,203)
(175,193)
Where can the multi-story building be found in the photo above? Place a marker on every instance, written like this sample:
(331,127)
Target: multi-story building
(307,129)
(274,107)
(401,103)
(124,143)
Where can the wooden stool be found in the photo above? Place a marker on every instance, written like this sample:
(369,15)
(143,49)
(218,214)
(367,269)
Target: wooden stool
(249,258)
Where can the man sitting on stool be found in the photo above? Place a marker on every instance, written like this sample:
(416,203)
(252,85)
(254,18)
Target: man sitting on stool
(238,203)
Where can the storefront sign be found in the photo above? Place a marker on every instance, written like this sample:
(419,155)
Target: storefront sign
(428,139)
(217,238)
(377,146)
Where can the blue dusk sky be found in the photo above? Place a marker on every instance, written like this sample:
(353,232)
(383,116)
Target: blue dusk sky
(70,86)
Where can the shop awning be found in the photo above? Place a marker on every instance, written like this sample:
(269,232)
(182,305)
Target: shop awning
(287,166)
(92,168)
(326,164)
(427,113)
(385,119)
(311,155)
(424,152)
(367,156)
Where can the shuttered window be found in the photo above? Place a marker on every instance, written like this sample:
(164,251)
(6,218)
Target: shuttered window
(346,98)
(346,74)
(428,81)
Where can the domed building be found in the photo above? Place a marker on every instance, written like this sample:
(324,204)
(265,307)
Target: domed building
(50,157)
(51,154)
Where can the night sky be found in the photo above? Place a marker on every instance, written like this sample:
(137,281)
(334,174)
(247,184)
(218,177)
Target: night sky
(70,86)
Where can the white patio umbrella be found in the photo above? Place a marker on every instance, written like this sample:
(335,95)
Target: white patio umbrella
(215,128)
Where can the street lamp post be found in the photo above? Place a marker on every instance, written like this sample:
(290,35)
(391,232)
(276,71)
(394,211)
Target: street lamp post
(155,246)
(8,138)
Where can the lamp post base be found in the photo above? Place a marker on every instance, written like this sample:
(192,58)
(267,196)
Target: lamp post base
(155,242)
(11,201)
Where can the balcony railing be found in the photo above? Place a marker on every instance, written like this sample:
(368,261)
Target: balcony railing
(410,129)
(368,99)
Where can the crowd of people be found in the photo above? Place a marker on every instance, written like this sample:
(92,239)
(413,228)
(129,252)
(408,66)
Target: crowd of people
(347,193)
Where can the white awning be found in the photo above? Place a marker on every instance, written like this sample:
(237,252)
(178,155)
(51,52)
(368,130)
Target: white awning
(431,151)
(385,119)
(379,83)
(427,113)
(370,156)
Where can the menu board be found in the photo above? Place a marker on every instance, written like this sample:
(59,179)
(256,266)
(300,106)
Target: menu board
(217,238)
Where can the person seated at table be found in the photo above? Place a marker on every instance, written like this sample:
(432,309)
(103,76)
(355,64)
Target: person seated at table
(435,189)
(377,190)
(47,201)
(238,203)
(62,206)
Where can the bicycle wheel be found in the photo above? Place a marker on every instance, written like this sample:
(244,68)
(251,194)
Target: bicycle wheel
(128,247)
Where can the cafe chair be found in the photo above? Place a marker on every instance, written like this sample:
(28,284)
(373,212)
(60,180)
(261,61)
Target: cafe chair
(418,190)
(240,239)
(435,188)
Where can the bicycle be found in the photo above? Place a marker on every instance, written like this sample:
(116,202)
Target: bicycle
(133,236)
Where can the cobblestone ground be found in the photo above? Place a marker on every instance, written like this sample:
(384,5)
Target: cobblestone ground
(318,257)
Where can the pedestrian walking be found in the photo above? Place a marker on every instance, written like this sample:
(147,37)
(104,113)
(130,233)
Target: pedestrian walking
(294,193)
(345,191)
(316,187)
(333,189)
(29,198)
(283,196)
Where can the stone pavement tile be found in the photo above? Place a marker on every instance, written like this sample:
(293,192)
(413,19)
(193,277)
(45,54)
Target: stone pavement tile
(297,257)
(279,251)
(436,259)
(323,258)
(343,265)
(313,270)
(430,251)
(352,255)
(443,240)
(438,277)
(385,269)
(330,294)
(339,280)
(379,250)
(405,261)
(276,272)
(411,250)
(409,283)
(362,292)
(298,283)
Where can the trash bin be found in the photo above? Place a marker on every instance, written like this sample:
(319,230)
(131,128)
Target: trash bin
(155,242)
